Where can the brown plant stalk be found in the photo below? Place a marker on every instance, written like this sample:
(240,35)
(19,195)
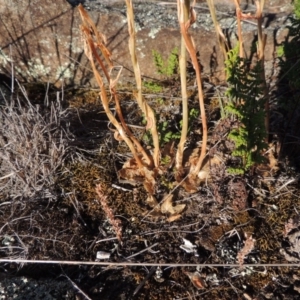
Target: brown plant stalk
(261,37)
(220,35)
(94,41)
(261,57)
(185,114)
(239,26)
(184,26)
(146,109)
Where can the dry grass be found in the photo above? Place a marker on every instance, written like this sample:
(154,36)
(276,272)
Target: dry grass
(33,146)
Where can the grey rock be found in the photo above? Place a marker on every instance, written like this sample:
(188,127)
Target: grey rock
(43,38)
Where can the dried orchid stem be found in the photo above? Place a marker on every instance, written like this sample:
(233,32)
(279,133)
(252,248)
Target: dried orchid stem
(139,147)
(239,26)
(184,26)
(89,25)
(220,35)
(89,31)
(261,57)
(146,109)
(185,116)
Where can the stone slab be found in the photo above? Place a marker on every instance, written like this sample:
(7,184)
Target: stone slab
(43,40)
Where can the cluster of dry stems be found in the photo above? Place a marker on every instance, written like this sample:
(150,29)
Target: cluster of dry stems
(144,164)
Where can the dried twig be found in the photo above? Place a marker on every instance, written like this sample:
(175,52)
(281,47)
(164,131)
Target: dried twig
(77,288)
(220,35)
(144,250)
(147,264)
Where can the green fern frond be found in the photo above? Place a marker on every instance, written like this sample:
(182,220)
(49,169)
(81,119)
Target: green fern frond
(170,66)
(247,106)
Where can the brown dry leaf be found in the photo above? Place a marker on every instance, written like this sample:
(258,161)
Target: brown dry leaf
(151,201)
(273,162)
(168,208)
(196,280)
(208,163)
(173,218)
(268,169)
(191,183)
(149,180)
(131,172)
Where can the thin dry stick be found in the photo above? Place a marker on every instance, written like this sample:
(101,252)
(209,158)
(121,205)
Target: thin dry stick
(77,288)
(142,251)
(146,109)
(184,26)
(140,264)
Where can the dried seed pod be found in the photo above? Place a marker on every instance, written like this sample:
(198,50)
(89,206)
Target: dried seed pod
(196,280)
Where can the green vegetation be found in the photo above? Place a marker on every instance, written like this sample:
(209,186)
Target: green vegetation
(152,87)
(166,131)
(289,52)
(168,68)
(297,9)
(246,104)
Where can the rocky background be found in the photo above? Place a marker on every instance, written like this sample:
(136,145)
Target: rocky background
(43,40)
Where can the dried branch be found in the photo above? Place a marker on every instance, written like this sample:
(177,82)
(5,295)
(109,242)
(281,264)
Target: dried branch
(261,58)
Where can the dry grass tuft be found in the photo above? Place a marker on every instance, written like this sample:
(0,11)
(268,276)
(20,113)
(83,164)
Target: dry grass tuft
(33,146)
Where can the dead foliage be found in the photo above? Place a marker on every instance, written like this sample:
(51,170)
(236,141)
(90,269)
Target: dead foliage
(34,143)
